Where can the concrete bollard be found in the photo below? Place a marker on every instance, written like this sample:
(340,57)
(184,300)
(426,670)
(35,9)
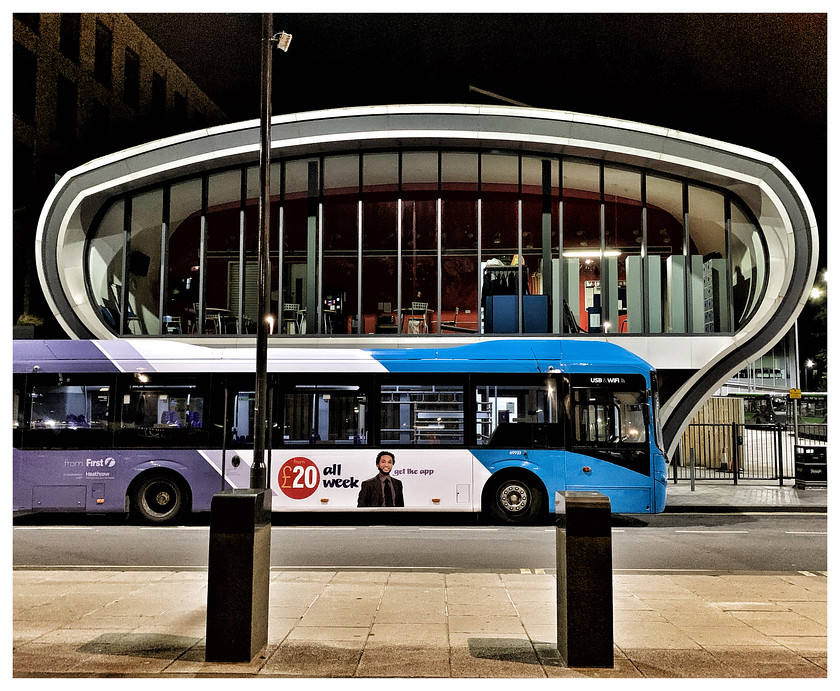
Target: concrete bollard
(238,575)
(584,580)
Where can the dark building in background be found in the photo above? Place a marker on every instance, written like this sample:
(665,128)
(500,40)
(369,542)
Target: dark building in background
(84,85)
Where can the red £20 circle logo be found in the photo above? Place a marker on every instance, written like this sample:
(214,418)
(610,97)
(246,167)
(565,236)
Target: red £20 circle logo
(298,478)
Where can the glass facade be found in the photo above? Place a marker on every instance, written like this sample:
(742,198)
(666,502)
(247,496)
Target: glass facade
(439,242)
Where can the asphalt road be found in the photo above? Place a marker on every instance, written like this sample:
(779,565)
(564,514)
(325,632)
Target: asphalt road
(685,542)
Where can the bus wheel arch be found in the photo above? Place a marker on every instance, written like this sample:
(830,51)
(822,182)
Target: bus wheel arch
(158,496)
(514,496)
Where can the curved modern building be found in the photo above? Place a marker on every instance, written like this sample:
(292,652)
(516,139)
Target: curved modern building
(440,225)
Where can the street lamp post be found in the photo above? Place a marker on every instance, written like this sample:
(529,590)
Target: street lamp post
(240,519)
(282,39)
(809,367)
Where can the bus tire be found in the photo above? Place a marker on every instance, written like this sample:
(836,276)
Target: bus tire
(158,498)
(515,499)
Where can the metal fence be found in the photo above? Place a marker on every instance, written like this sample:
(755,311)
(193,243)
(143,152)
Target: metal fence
(735,451)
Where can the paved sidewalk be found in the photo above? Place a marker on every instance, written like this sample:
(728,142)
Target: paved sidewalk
(747,495)
(443,624)
(326,623)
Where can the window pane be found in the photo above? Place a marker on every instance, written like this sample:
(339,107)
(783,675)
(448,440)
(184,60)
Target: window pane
(517,416)
(25,67)
(665,300)
(324,415)
(183,254)
(224,192)
(536,244)
(70,30)
(422,414)
(68,407)
(69,411)
(420,171)
(163,415)
(609,418)
(300,232)
(131,78)
(582,243)
(105,255)
(708,294)
(340,212)
(379,243)
(103,54)
(748,266)
(144,263)
(622,251)
(419,260)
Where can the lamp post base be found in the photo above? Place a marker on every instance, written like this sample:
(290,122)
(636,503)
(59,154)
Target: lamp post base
(238,575)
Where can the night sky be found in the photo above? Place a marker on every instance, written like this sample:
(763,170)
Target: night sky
(757,80)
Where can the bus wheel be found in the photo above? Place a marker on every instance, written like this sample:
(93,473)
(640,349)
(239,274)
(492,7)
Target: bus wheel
(515,500)
(158,498)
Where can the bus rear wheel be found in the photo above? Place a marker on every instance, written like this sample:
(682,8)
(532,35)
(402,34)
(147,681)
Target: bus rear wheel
(516,500)
(159,499)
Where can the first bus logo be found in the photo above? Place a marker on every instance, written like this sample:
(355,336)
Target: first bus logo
(100,462)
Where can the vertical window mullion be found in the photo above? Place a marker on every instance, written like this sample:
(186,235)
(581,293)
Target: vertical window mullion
(727,213)
(164,260)
(645,272)
(561,269)
(202,255)
(520,272)
(479,232)
(124,266)
(439,232)
(361,325)
(322,323)
(399,241)
(687,257)
(545,219)
(240,297)
(281,236)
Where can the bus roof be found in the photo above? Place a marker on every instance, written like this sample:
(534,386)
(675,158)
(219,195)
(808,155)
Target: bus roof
(168,355)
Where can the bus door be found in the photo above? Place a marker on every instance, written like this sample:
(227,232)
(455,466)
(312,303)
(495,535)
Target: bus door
(519,440)
(237,449)
(609,448)
(240,426)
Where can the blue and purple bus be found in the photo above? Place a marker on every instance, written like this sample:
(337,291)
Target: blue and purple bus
(156,427)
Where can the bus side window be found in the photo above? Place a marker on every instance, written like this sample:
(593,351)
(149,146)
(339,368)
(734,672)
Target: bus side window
(67,410)
(603,417)
(321,415)
(422,414)
(163,413)
(517,417)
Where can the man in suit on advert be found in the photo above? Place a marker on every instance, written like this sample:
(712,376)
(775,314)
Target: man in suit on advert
(382,490)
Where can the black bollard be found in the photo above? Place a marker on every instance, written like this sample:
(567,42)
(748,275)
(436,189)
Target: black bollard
(584,580)
(238,575)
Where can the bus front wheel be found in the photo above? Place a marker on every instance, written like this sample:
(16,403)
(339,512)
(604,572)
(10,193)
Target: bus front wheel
(516,500)
(159,498)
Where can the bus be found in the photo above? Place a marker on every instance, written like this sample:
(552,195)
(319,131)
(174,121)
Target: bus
(154,428)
